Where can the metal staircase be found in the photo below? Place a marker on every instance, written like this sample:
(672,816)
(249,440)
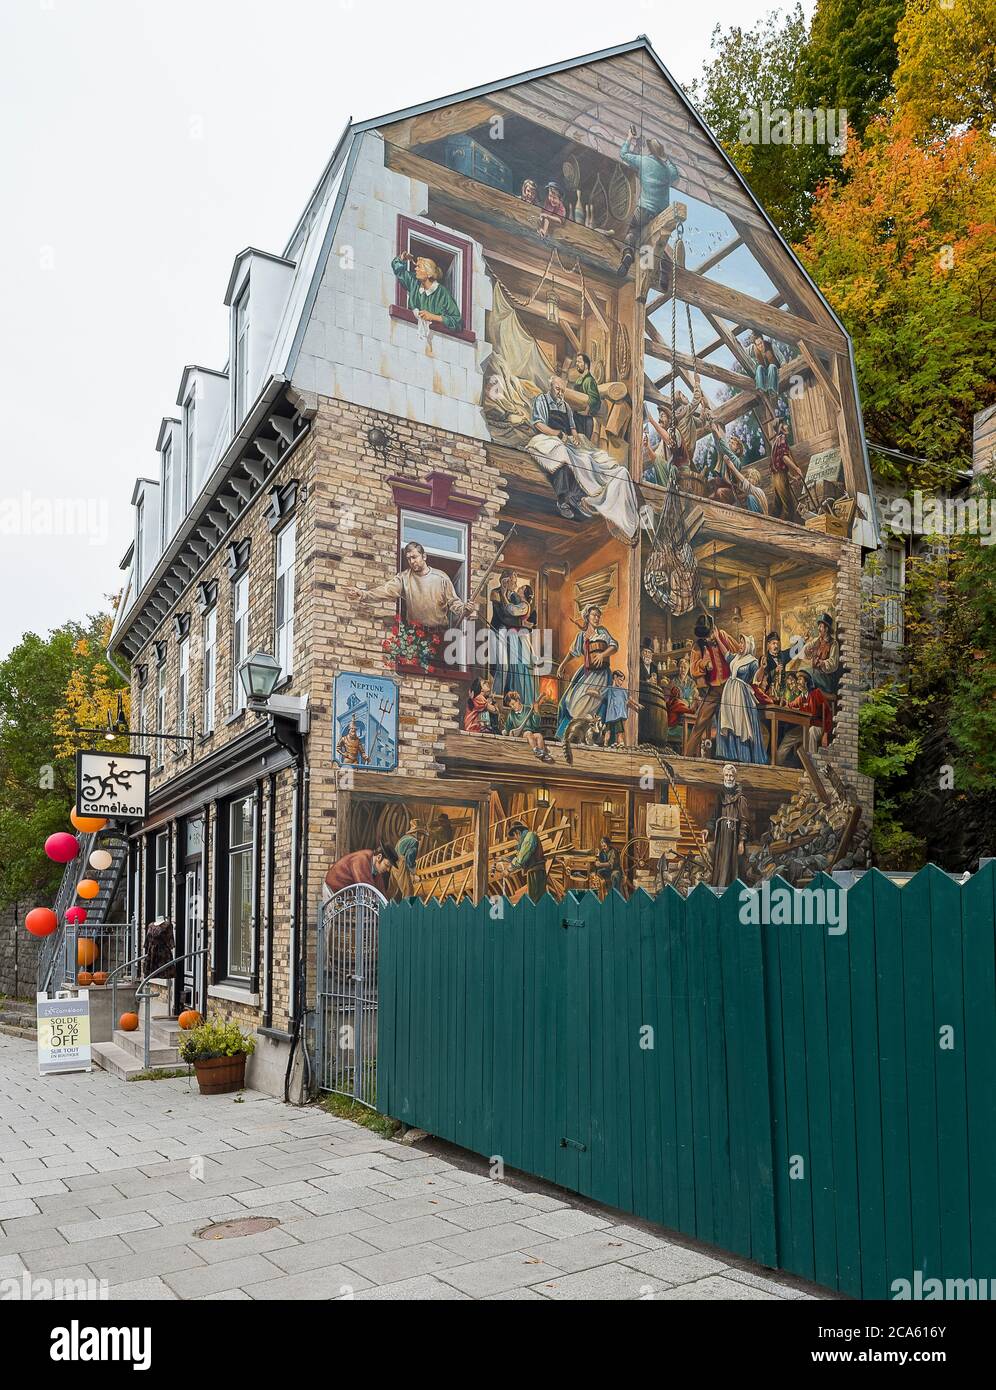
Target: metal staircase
(57,959)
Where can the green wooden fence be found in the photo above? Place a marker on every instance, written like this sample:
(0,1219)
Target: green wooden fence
(821,1103)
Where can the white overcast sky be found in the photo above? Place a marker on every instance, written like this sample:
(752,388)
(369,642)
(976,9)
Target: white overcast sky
(145,143)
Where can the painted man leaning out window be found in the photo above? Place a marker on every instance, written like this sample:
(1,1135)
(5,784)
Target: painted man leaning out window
(427,595)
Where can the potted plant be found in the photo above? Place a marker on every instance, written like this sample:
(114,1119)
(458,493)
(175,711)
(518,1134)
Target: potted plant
(218,1051)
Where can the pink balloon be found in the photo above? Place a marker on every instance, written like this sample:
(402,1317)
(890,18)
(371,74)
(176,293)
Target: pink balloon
(76,916)
(62,847)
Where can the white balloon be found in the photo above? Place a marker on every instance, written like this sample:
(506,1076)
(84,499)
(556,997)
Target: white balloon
(100,859)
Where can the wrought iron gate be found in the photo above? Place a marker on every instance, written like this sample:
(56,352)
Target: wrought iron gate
(347,993)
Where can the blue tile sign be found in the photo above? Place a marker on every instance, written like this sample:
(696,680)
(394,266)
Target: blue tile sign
(365,722)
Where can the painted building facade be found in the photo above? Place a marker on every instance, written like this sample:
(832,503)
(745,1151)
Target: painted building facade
(538,465)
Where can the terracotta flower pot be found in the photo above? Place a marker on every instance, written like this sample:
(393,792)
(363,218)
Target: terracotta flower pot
(218,1075)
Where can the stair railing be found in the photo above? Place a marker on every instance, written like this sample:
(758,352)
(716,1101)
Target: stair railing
(146,997)
(112,980)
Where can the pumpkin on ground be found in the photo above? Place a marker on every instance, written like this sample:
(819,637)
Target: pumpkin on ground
(190,1018)
(128,1023)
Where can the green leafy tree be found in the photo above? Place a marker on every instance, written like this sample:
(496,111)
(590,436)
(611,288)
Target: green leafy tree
(850,58)
(946,76)
(37,777)
(904,247)
(751,67)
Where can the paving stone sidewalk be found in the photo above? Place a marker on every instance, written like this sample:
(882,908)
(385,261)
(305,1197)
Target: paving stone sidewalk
(109,1181)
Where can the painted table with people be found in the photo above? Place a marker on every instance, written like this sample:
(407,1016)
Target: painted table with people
(720,697)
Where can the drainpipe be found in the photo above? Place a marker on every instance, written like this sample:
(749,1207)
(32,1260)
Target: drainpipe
(268,906)
(298,889)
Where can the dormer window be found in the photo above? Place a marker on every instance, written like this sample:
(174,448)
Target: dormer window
(241,364)
(189,454)
(168,519)
(139,543)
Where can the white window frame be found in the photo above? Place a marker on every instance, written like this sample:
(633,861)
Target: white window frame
(139,542)
(189,448)
(893,593)
(410,517)
(283,603)
(160,880)
(167,490)
(182,685)
(160,705)
(240,637)
(241,356)
(209,665)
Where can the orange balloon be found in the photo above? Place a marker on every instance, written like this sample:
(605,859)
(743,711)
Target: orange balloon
(88,888)
(86,951)
(86,824)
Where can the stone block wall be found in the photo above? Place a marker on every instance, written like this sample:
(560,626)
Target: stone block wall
(18,953)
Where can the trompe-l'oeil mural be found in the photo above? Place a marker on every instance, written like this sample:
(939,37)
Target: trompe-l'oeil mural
(669,406)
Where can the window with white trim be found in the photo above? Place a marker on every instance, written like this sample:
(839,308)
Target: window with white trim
(893,586)
(242,354)
(189,450)
(284,597)
(444,543)
(161,875)
(209,666)
(167,492)
(139,543)
(240,638)
(160,704)
(182,685)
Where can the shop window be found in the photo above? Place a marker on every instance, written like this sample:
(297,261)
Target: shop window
(160,882)
(239,881)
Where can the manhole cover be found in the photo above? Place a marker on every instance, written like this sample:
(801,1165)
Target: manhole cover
(243,1226)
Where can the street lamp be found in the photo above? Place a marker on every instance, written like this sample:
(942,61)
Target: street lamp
(260,674)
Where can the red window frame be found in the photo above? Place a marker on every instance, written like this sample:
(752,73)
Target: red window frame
(411,226)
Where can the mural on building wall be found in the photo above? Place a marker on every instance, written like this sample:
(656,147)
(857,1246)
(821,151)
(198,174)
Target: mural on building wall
(671,410)
(365,721)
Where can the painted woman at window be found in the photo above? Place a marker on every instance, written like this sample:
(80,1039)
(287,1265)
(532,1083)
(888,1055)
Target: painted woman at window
(428,298)
(595,646)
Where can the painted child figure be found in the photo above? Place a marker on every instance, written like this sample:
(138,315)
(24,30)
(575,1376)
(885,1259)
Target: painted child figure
(616,705)
(481,712)
(525,723)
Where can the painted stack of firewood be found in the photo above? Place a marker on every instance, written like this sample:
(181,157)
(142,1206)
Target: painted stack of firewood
(817,830)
